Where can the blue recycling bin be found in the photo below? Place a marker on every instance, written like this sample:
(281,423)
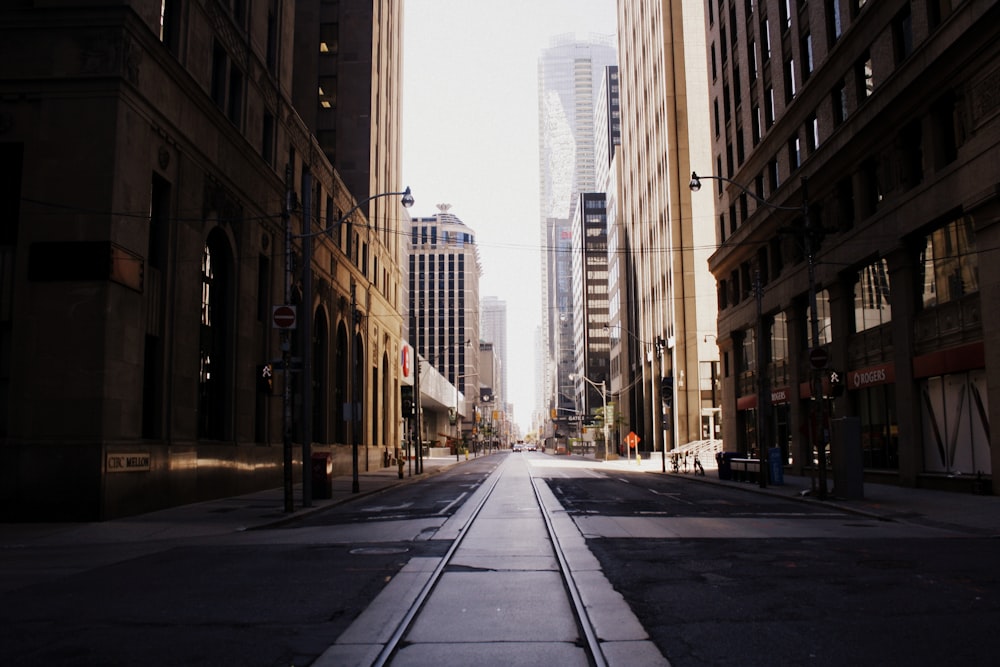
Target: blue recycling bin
(775,466)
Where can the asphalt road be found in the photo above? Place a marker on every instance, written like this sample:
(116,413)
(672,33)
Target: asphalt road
(716,575)
(721,576)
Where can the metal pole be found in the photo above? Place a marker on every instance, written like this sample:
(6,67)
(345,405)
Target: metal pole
(286,349)
(604,401)
(762,387)
(353,390)
(418,466)
(816,432)
(305,338)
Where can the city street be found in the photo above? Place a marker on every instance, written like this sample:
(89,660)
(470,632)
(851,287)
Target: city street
(716,573)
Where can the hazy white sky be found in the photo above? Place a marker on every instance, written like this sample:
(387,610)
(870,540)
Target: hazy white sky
(470,139)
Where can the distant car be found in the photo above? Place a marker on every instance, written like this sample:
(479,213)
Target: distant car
(517,447)
(532,447)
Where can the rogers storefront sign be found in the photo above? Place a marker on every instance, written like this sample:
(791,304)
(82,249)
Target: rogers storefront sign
(872,376)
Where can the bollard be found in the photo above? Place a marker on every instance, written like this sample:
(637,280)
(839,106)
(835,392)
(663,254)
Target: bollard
(638,458)
(400,463)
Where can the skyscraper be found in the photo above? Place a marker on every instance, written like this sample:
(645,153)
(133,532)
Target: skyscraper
(493,329)
(444,271)
(569,76)
(665,128)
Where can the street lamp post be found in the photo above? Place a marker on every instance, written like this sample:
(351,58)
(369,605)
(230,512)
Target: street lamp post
(604,404)
(307,236)
(816,383)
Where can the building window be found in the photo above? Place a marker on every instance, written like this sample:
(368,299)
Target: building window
(765,40)
(938,11)
(769,107)
(838,98)
(879,426)
(220,65)
(752,60)
(823,318)
(748,356)
(790,80)
(794,153)
(833,25)
(227,85)
(944,136)
(807,56)
(864,76)
(902,34)
(872,305)
(267,138)
(949,263)
(329,38)
(328,92)
(170,19)
(755,125)
(845,204)
(779,337)
(785,14)
(812,133)
(737,86)
(214,340)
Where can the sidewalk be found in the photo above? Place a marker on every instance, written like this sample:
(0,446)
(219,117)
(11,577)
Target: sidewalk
(968,513)
(215,517)
(964,512)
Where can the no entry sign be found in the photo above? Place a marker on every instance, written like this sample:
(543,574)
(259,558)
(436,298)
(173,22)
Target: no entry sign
(283,317)
(819,358)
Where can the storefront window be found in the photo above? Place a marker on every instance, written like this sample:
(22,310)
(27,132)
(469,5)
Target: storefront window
(949,263)
(872,306)
(879,429)
(956,423)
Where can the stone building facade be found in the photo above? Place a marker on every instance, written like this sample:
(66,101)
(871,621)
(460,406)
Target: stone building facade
(856,233)
(155,164)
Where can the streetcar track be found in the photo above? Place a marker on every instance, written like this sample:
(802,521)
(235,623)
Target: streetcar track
(590,644)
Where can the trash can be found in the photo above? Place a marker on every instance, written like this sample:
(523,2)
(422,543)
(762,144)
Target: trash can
(724,461)
(775,466)
(322,476)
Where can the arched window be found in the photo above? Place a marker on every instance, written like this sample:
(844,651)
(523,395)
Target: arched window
(321,371)
(214,397)
(340,399)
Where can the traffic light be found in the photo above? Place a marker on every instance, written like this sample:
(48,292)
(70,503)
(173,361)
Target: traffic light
(265,379)
(667,390)
(407,395)
(836,383)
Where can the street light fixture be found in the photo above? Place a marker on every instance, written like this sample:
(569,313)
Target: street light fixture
(604,401)
(406,199)
(816,383)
